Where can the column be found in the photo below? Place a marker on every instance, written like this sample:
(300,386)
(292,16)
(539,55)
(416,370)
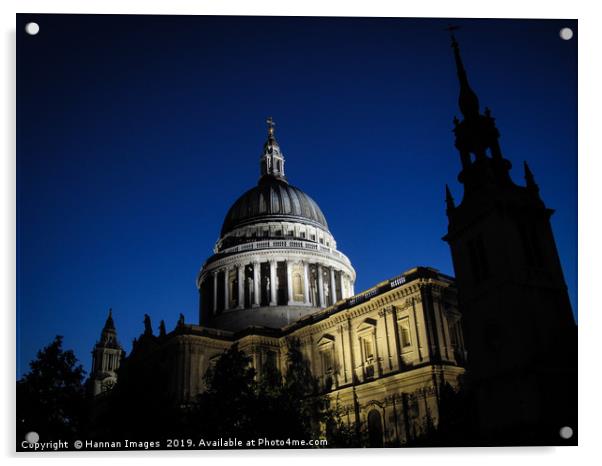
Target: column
(256,283)
(214,275)
(320,286)
(241,286)
(306,283)
(398,358)
(333,286)
(273,300)
(226,288)
(289,281)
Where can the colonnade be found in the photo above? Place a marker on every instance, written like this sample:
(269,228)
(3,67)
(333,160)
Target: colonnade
(277,282)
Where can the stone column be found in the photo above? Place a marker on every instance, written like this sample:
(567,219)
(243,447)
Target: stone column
(256,283)
(289,281)
(214,275)
(306,283)
(226,288)
(241,286)
(398,358)
(320,287)
(273,297)
(333,286)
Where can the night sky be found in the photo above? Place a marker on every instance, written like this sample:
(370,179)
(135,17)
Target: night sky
(135,134)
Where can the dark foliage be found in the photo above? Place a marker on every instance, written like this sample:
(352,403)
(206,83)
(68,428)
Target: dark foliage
(50,397)
(138,407)
(273,407)
(235,404)
(228,408)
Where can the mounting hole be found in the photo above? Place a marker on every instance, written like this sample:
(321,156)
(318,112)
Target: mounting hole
(32,437)
(566,33)
(566,432)
(32,28)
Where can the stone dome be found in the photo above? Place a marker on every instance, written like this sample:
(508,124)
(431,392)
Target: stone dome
(273,199)
(276,260)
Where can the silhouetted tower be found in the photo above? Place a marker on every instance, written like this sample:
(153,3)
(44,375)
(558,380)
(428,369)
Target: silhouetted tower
(519,327)
(106,358)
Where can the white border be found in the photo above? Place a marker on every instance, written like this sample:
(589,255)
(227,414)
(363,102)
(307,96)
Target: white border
(590,108)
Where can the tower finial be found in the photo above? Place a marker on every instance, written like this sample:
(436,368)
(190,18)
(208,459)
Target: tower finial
(109,324)
(272,160)
(449,200)
(451,28)
(271,124)
(467,100)
(530,179)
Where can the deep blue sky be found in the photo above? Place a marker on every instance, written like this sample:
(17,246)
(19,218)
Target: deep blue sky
(136,133)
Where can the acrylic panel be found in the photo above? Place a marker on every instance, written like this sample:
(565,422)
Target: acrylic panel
(295,232)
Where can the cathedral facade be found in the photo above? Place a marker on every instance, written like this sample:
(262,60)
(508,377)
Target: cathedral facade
(277,275)
(383,354)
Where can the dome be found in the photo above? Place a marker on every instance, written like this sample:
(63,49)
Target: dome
(276,260)
(273,199)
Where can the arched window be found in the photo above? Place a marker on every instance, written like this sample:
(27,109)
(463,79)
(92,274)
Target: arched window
(297,286)
(375,429)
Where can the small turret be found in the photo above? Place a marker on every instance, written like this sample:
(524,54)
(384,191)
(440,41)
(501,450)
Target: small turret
(530,180)
(106,358)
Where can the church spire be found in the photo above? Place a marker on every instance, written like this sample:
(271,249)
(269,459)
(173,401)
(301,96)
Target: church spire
(467,100)
(477,138)
(108,334)
(109,324)
(272,160)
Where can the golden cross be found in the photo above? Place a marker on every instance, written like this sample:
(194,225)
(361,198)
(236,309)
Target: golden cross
(271,123)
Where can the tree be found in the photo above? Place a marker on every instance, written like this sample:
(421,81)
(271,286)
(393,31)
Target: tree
(307,407)
(238,404)
(51,396)
(339,433)
(138,407)
(228,407)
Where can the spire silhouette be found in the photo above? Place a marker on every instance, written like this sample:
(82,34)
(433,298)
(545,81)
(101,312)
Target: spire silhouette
(449,200)
(530,179)
(476,136)
(109,324)
(467,100)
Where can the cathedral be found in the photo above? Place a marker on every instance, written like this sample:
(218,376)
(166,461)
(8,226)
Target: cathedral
(384,353)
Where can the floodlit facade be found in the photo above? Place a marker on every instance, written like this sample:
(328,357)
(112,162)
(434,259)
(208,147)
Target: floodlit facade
(276,274)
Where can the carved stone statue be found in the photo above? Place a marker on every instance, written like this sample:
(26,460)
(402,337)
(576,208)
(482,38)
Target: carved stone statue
(181,320)
(250,288)
(148,328)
